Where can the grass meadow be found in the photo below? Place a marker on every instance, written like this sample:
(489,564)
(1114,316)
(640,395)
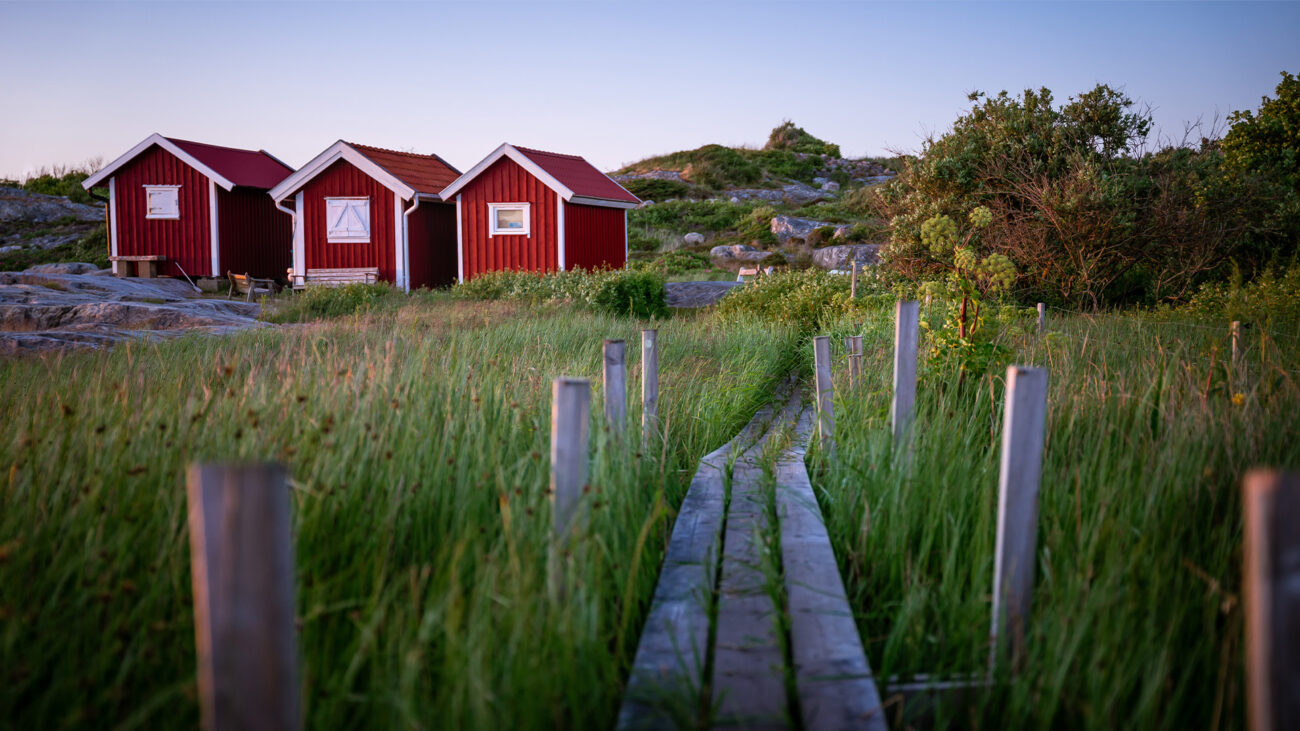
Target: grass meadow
(1137,620)
(418,442)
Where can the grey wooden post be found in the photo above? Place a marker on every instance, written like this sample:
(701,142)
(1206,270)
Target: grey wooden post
(649,384)
(825,391)
(906,337)
(1235,331)
(570,409)
(241,559)
(1024,422)
(853,284)
(1271,503)
(616,385)
(853,346)
(1042,318)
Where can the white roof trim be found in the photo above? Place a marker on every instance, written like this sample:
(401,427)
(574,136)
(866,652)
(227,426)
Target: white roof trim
(156,139)
(508,150)
(583,200)
(340,151)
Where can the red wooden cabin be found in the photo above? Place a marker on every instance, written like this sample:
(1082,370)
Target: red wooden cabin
(358,209)
(530,210)
(194,209)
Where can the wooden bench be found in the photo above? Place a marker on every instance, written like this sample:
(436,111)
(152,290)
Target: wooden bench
(746,272)
(334,277)
(243,283)
(146,267)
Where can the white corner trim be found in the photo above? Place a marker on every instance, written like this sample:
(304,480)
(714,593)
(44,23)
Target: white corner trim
(112,218)
(559,231)
(507,150)
(625,249)
(460,246)
(399,246)
(341,151)
(214,227)
(299,237)
(166,144)
(527,208)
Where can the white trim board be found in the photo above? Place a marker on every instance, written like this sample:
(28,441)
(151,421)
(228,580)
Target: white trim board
(299,237)
(112,220)
(214,228)
(156,139)
(342,151)
(399,246)
(559,240)
(460,246)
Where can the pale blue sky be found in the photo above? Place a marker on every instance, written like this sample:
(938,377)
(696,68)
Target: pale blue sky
(614,82)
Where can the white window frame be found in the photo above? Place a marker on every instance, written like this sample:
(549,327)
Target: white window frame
(492,219)
(344,238)
(175,190)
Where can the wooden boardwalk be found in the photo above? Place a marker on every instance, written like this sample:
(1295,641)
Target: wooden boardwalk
(737,635)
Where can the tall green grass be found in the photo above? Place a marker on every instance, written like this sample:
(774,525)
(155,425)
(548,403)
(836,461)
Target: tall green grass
(418,443)
(1137,616)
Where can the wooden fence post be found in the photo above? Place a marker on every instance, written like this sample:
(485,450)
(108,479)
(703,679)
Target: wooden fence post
(825,392)
(1042,318)
(1235,331)
(853,346)
(649,385)
(906,338)
(241,559)
(1024,423)
(1271,506)
(570,409)
(853,283)
(616,385)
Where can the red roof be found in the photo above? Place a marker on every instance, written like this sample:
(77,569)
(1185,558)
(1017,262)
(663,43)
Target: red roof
(252,168)
(578,175)
(425,173)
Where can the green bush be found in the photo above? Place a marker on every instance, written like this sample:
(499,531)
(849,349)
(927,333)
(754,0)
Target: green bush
(809,299)
(674,263)
(630,293)
(655,189)
(91,248)
(1272,296)
(621,292)
(684,216)
(795,139)
(314,303)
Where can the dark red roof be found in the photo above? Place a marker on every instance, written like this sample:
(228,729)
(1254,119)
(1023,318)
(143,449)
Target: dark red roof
(425,173)
(252,168)
(578,175)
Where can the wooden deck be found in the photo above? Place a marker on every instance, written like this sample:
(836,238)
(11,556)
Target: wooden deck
(713,648)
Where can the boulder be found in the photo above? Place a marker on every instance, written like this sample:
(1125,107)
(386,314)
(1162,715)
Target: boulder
(843,256)
(830,186)
(75,267)
(643,204)
(738,252)
(693,238)
(785,228)
(17,204)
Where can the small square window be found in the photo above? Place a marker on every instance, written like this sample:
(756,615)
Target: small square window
(162,201)
(508,218)
(347,220)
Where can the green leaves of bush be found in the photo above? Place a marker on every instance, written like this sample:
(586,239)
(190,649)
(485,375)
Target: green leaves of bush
(617,292)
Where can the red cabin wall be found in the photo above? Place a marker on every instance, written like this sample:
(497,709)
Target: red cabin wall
(595,237)
(431,233)
(339,180)
(254,237)
(185,240)
(506,182)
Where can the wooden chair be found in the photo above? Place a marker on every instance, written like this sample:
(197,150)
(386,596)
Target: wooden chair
(245,284)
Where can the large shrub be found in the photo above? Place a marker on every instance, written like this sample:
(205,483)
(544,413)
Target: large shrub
(808,299)
(793,138)
(618,292)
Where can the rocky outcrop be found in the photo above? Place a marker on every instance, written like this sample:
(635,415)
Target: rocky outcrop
(738,253)
(693,238)
(17,204)
(696,294)
(785,228)
(45,310)
(843,256)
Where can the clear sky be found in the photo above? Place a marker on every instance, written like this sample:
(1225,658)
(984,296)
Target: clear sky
(614,82)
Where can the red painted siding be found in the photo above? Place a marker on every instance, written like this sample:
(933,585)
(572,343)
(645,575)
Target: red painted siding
(432,235)
(506,182)
(253,236)
(184,240)
(594,237)
(339,180)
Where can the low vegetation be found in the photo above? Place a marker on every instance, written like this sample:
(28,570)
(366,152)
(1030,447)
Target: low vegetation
(417,438)
(91,247)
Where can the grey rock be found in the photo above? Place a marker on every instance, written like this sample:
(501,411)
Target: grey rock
(830,186)
(785,228)
(734,199)
(651,175)
(75,267)
(696,294)
(843,256)
(17,204)
(7,249)
(643,204)
(738,252)
(693,238)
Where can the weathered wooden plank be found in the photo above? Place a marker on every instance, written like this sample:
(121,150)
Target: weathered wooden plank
(1023,429)
(1271,504)
(649,385)
(825,391)
(241,554)
(1042,318)
(907,319)
(615,357)
(570,409)
(833,679)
